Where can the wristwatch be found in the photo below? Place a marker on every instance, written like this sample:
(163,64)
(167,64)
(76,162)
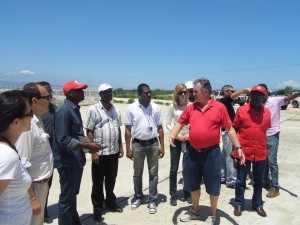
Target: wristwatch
(237,148)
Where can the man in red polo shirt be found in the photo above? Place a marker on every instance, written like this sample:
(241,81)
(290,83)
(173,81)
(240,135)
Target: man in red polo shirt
(251,122)
(202,160)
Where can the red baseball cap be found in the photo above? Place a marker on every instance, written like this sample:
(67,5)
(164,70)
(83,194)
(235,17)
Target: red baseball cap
(71,85)
(259,89)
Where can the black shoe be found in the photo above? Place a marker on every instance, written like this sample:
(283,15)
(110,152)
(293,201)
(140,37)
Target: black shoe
(48,220)
(173,201)
(115,208)
(97,216)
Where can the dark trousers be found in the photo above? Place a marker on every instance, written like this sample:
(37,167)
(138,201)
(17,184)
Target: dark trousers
(240,186)
(105,172)
(70,179)
(175,153)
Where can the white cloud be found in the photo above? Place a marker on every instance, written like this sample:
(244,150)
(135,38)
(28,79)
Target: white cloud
(288,83)
(26,72)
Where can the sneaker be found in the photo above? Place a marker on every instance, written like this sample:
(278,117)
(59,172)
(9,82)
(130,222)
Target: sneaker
(173,201)
(190,215)
(210,220)
(273,193)
(152,207)
(115,208)
(136,203)
(230,184)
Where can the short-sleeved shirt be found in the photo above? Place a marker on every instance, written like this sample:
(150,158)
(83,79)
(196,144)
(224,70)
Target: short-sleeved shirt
(35,151)
(105,124)
(204,130)
(15,207)
(274,104)
(68,128)
(144,121)
(252,131)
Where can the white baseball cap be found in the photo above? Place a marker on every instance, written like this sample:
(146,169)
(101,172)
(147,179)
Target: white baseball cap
(104,87)
(189,84)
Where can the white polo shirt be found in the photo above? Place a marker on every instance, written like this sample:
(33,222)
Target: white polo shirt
(35,151)
(105,124)
(144,121)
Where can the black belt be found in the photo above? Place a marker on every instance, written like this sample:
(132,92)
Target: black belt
(145,142)
(205,149)
(41,181)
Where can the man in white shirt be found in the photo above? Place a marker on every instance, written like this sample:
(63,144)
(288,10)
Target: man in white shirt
(103,127)
(143,122)
(35,151)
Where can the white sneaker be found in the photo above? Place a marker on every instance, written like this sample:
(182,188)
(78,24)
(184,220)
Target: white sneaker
(152,207)
(190,215)
(136,203)
(210,220)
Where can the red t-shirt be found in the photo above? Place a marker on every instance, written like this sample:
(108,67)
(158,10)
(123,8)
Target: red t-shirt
(252,131)
(204,130)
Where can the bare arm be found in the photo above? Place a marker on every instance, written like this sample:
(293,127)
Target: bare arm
(160,130)
(3,185)
(174,132)
(35,202)
(291,97)
(129,153)
(236,94)
(121,151)
(95,156)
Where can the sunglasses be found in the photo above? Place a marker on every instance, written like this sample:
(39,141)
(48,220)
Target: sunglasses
(48,97)
(230,91)
(182,92)
(28,115)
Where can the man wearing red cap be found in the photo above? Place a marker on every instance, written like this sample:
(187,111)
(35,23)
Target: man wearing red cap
(69,158)
(251,122)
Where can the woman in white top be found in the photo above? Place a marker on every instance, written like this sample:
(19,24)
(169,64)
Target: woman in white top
(180,102)
(15,118)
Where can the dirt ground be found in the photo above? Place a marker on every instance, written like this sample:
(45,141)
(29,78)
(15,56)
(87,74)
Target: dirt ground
(280,210)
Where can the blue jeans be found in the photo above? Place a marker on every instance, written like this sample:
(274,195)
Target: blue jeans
(175,153)
(240,186)
(140,152)
(70,179)
(228,172)
(271,165)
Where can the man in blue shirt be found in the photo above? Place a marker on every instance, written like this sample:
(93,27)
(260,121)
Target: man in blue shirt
(69,157)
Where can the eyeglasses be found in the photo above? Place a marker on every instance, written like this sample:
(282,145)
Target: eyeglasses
(48,97)
(28,115)
(182,92)
(230,91)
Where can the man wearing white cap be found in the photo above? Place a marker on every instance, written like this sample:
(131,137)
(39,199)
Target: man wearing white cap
(69,157)
(190,87)
(103,127)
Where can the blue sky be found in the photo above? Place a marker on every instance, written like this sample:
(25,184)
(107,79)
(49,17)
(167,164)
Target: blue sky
(158,42)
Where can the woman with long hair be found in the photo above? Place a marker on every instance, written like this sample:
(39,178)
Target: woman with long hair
(15,118)
(180,102)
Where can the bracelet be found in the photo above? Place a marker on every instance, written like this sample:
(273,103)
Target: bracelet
(237,148)
(34,198)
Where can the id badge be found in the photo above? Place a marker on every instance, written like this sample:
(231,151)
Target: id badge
(149,129)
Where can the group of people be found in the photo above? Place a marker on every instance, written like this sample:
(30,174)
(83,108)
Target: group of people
(36,136)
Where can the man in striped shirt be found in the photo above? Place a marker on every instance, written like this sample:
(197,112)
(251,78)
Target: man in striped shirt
(103,127)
